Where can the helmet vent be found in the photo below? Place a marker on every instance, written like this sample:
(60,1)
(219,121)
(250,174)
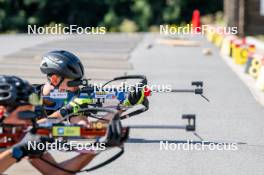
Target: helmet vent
(5,87)
(44,64)
(5,94)
(72,69)
(81,66)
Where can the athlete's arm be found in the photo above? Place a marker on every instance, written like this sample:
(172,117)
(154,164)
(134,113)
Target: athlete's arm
(74,164)
(6,160)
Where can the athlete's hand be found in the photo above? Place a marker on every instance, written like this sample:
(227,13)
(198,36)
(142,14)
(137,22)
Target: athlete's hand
(75,105)
(136,96)
(114,134)
(30,146)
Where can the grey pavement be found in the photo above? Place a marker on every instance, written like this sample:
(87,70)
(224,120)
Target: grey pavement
(103,57)
(232,115)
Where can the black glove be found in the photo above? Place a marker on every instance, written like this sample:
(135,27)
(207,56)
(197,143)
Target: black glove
(75,105)
(114,134)
(136,96)
(30,146)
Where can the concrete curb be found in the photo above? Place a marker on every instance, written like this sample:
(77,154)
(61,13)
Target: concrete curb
(248,80)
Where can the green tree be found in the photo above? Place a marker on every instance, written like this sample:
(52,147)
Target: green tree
(15,15)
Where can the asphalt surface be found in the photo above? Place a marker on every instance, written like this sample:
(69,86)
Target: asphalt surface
(232,115)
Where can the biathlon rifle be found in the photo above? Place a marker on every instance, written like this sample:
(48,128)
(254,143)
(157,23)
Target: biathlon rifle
(10,134)
(102,93)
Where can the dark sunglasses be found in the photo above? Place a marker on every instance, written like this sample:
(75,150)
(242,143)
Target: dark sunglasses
(77,82)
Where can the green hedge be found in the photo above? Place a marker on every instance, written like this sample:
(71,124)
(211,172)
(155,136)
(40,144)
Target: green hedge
(15,15)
